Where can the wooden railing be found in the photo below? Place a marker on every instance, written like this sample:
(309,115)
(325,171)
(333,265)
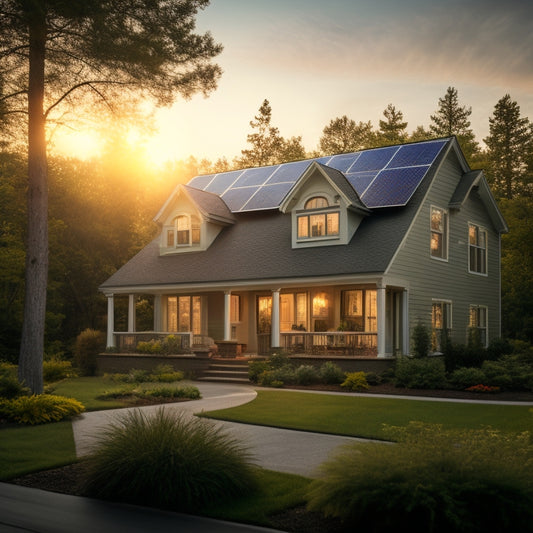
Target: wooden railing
(127,342)
(349,343)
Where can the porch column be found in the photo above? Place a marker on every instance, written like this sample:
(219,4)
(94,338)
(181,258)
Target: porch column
(381,316)
(131,313)
(158,325)
(275,332)
(405,323)
(227,315)
(110,320)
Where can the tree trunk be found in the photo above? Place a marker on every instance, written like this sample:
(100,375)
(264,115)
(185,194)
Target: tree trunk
(32,342)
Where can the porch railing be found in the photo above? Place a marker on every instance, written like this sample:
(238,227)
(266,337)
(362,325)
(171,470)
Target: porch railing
(127,342)
(349,343)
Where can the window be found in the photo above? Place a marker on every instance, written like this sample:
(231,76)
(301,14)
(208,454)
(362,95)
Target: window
(293,311)
(439,233)
(235,308)
(185,231)
(359,310)
(477,249)
(478,323)
(319,224)
(441,324)
(184,313)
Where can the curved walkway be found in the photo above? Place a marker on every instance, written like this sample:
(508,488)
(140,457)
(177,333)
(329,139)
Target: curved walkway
(282,450)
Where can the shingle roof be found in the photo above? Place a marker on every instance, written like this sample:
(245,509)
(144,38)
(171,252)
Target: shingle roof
(258,247)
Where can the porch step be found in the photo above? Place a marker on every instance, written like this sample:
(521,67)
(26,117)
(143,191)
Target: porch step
(229,371)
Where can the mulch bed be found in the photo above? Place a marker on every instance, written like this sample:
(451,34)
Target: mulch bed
(68,479)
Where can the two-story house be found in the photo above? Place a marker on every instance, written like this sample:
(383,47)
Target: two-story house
(335,255)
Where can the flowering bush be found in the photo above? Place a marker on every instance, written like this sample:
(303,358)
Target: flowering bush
(39,409)
(482,388)
(355,381)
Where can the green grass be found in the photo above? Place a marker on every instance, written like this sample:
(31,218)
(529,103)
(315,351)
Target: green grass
(365,416)
(27,449)
(277,492)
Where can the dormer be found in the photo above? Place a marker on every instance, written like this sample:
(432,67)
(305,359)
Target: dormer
(325,209)
(191,220)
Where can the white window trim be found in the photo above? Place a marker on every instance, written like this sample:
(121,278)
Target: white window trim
(446,233)
(486,328)
(318,211)
(480,228)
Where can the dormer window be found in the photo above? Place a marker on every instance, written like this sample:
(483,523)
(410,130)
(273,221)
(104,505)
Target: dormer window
(185,231)
(320,221)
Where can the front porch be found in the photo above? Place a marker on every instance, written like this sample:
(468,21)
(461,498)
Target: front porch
(367,320)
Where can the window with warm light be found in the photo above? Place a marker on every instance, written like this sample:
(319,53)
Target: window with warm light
(441,324)
(321,222)
(439,233)
(185,231)
(293,311)
(477,247)
(184,314)
(478,323)
(359,310)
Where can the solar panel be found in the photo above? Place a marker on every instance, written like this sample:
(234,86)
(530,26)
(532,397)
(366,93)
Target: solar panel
(268,196)
(236,198)
(393,187)
(383,177)
(222,181)
(254,176)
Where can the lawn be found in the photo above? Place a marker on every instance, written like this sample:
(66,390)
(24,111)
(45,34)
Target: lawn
(364,416)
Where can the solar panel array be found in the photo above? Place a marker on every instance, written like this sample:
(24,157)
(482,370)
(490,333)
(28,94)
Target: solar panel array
(382,177)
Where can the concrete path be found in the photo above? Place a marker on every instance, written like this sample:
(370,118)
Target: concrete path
(282,450)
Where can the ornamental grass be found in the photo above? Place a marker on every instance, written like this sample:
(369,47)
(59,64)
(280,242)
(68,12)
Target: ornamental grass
(168,460)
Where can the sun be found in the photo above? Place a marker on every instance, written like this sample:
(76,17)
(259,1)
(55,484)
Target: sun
(78,144)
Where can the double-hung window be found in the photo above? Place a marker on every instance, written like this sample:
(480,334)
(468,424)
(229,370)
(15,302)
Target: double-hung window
(439,233)
(478,323)
(185,231)
(441,324)
(477,249)
(320,220)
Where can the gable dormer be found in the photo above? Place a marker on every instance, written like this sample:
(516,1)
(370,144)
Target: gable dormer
(324,207)
(191,220)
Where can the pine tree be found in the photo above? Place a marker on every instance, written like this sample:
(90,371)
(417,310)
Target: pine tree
(392,130)
(509,150)
(268,146)
(453,119)
(62,55)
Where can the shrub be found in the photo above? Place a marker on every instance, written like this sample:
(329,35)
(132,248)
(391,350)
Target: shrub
(55,370)
(306,375)
(421,340)
(9,383)
(192,393)
(40,408)
(463,378)
(331,373)
(166,374)
(89,344)
(431,480)
(373,379)
(168,460)
(513,372)
(278,360)
(150,347)
(255,369)
(355,381)
(420,373)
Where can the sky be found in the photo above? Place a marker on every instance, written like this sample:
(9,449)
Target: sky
(317,60)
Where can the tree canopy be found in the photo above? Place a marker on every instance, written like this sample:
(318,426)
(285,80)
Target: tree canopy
(61,53)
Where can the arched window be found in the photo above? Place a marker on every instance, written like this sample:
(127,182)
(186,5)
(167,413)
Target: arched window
(185,231)
(317,202)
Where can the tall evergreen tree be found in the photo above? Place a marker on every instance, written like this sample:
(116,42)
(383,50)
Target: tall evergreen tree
(509,150)
(392,130)
(343,135)
(268,146)
(60,53)
(453,119)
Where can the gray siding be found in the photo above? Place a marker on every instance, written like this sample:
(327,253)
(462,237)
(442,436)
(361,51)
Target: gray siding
(431,279)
